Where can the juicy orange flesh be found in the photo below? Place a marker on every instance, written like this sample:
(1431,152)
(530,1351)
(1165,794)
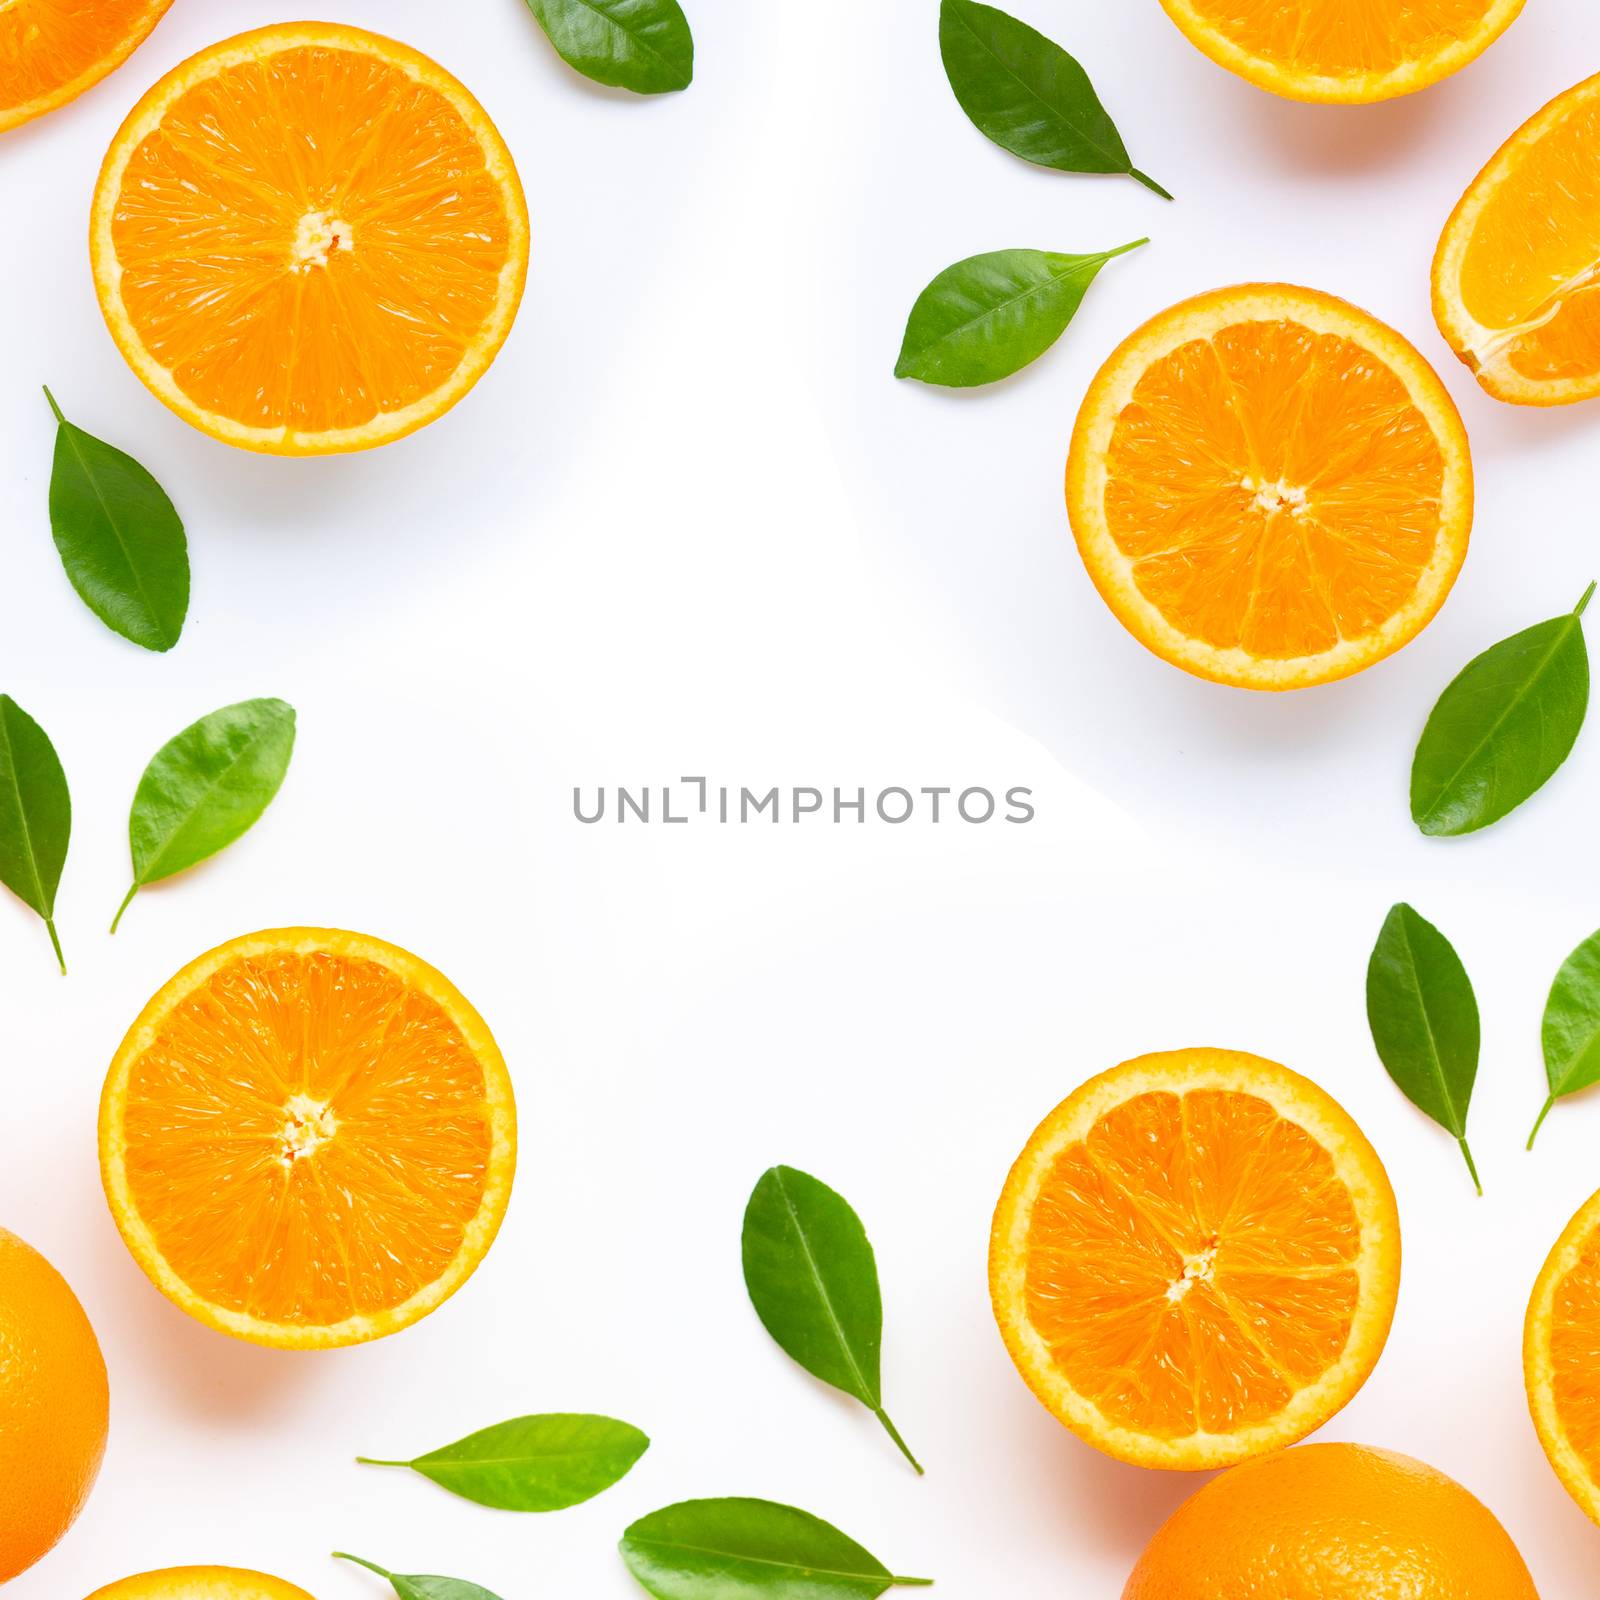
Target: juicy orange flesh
(1275,489)
(307,1138)
(1191,1263)
(1339,37)
(309,240)
(1575,1356)
(47,44)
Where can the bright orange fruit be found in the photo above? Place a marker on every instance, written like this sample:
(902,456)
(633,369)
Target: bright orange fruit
(1195,1259)
(309,239)
(200,1583)
(53,1406)
(308,1138)
(1269,487)
(1331,1522)
(1516,277)
(52,50)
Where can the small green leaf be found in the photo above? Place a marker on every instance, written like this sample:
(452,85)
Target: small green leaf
(1502,727)
(119,537)
(990,315)
(642,45)
(422,1585)
(813,1280)
(1424,1020)
(205,787)
(1571,1029)
(750,1550)
(1028,95)
(541,1463)
(35,815)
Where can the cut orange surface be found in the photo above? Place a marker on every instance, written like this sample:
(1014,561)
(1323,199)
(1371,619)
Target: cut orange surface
(308,1138)
(309,239)
(1343,51)
(200,1583)
(1561,1357)
(1269,487)
(52,50)
(1195,1259)
(1516,278)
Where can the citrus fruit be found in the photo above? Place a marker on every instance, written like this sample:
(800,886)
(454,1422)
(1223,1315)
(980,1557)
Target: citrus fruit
(1561,1357)
(307,1138)
(53,1406)
(1331,1522)
(1269,487)
(52,50)
(309,239)
(200,1583)
(1195,1259)
(1516,277)
(1343,51)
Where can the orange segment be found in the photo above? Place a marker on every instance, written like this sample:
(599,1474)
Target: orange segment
(1561,1357)
(1344,51)
(309,239)
(308,1138)
(52,50)
(1516,277)
(1269,487)
(1195,1259)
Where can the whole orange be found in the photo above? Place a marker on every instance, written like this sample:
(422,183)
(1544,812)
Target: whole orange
(54,1406)
(1331,1522)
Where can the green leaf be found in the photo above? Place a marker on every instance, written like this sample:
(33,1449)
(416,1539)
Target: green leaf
(990,315)
(119,537)
(1424,1020)
(733,1549)
(541,1463)
(422,1585)
(35,815)
(813,1280)
(642,45)
(1502,727)
(1028,95)
(1570,1032)
(205,787)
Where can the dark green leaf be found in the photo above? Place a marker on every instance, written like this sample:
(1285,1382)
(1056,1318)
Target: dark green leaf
(1028,95)
(642,45)
(733,1549)
(423,1585)
(1424,1021)
(35,815)
(542,1463)
(1571,1030)
(119,536)
(813,1280)
(205,787)
(1502,727)
(988,316)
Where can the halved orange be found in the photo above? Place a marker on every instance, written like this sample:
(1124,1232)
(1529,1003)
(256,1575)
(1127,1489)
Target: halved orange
(308,1138)
(1343,51)
(1195,1259)
(201,1583)
(1516,277)
(52,50)
(1269,487)
(1561,1357)
(309,239)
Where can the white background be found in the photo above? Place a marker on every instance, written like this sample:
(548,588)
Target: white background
(690,525)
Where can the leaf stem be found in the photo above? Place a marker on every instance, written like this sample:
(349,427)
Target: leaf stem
(371,1566)
(1472,1166)
(912,1583)
(1548,1105)
(1123,249)
(373,1461)
(1588,593)
(127,901)
(894,1433)
(53,406)
(50,924)
(1149,182)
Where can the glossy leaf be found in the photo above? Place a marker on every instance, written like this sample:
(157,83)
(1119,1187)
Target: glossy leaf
(119,536)
(642,45)
(1570,1032)
(990,315)
(35,815)
(734,1549)
(1028,95)
(1424,1020)
(539,1463)
(422,1585)
(813,1280)
(205,787)
(1502,727)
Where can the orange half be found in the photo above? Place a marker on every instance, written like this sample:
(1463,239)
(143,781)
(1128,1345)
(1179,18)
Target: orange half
(1195,1259)
(308,1138)
(1516,277)
(1269,487)
(309,239)
(52,50)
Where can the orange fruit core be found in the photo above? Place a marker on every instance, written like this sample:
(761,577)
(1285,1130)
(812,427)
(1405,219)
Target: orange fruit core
(52,50)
